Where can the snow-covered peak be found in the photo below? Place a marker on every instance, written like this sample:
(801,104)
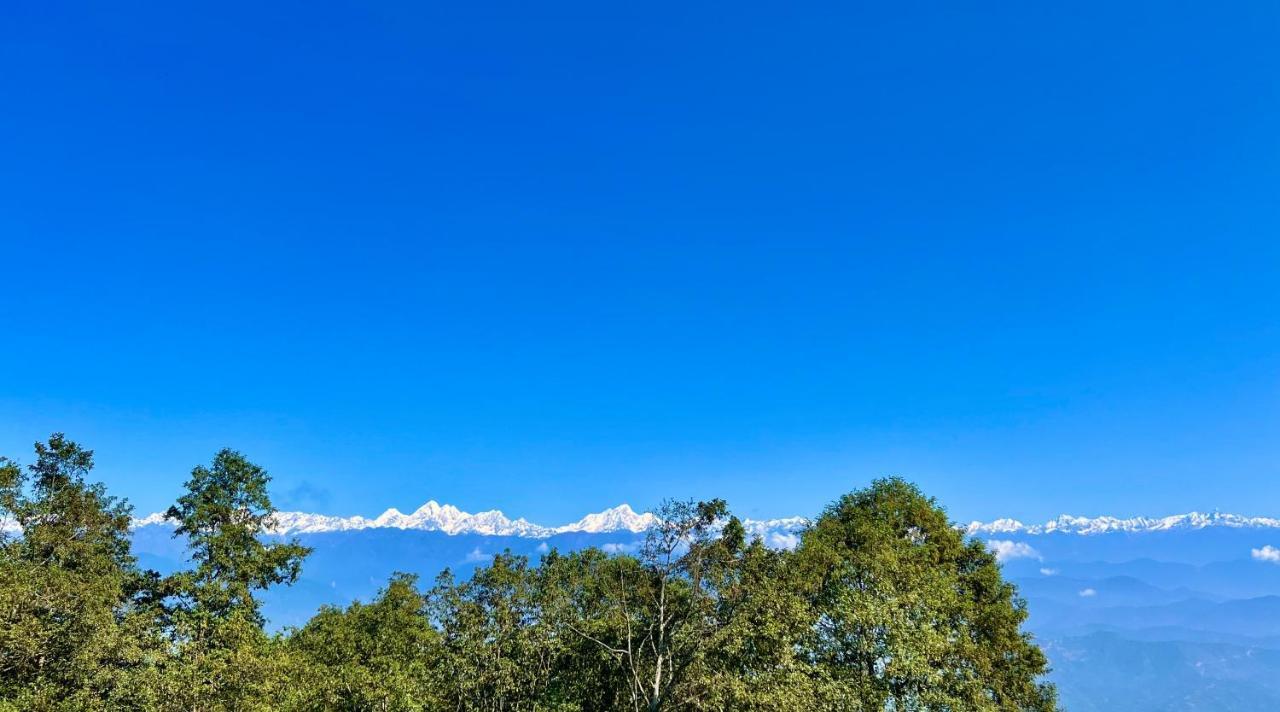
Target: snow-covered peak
(619,518)
(304,523)
(767,528)
(999,526)
(391,518)
(154,519)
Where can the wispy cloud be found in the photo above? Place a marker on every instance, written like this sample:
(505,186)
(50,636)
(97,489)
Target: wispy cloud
(305,496)
(1088,593)
(476,556)
(1008,550)
(1267,553)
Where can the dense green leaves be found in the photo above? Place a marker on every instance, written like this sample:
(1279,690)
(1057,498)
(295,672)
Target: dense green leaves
(221,658)
(883,606)
(910,615)
(74,625)
(223,516)
(383,655)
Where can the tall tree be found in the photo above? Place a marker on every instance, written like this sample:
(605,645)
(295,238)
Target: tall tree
(912,616)
(224,515)
(225,659)
(74,624)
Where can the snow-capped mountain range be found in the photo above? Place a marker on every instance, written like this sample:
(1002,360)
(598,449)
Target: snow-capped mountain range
(1068,524)
(448,519)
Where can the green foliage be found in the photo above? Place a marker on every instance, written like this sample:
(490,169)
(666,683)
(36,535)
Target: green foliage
(384,655)
(911,616)
(758,657)
(73,625)
(222,658)
(224,514)
(883,606)
(500,650)
(655,618)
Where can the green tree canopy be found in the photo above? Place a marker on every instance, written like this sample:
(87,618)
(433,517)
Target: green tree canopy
(224,515)
(910,614)
(383,655)
(224,659)
(74,619)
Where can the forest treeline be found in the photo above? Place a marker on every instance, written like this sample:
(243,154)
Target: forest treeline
(881,606)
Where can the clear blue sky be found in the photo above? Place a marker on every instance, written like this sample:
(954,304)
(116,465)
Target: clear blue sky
(552,257)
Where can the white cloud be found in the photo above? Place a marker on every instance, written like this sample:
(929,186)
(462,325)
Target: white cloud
(1008,550)
(477,556)
(1088,593)
(613,548)
(1048,572)
(1267,553)
(543,548)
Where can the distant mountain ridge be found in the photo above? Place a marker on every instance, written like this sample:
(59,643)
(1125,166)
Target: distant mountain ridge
(447,518)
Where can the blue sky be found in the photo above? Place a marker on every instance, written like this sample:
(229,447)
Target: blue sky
(550,258)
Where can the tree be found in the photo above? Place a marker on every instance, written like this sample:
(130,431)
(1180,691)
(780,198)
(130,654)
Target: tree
(383,655)
(75,626)
(224,515)
(658,616)
(224,658)
(500,649)
(910,615)
(755,656)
